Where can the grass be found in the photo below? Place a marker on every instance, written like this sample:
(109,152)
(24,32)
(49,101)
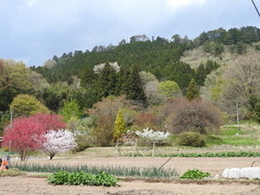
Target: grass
(233,140)
(6,153)
(230,130)
(11,172)
(241,141)
(245,134)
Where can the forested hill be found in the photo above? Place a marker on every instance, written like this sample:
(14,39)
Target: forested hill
(159,56)
(219,65)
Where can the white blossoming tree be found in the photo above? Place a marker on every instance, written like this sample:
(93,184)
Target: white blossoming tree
(57,141)
(153,136)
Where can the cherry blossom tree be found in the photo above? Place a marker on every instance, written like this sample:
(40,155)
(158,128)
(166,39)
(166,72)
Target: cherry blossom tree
(57,141)
(49,121)
(24,135)
(153,136)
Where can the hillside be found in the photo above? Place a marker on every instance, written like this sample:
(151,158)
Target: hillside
(179,61)
(197,56)
(163,58)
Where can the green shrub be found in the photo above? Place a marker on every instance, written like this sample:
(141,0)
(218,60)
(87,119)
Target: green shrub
(83,142)
(82,178)
(193,139)
(194,174)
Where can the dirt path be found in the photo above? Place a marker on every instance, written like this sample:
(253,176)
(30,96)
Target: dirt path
(33,186)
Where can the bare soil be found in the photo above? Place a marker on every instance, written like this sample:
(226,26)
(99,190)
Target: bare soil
(33,184)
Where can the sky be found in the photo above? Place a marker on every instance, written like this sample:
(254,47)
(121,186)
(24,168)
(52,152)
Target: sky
(33,31)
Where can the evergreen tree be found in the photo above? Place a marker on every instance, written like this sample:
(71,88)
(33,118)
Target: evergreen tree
(88,76)
(119,127)
(181,73)
(204,70)
(106,83)
(192,91)
(201,74)
(134,87)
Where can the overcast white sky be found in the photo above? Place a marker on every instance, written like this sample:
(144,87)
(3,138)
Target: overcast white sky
(33,31)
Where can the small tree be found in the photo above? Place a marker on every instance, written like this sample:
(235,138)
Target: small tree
(21,136)
(153,136)
(169,88)
(49,121)
(104,114)
(24,135)
(26,105)
(57,142)
(70,109)
(119,127)
(145,119)
(198,115)
(192,91)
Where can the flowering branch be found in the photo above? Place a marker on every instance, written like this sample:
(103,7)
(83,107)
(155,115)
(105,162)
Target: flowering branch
(154,136)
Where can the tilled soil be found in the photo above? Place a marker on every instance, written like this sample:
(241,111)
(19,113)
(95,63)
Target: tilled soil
(31,184)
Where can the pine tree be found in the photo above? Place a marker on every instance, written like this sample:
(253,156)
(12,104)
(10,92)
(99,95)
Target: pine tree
(106,83)
(134,87)
(192,91)
(88,76)
(201,75)
(124,80)
(119,127)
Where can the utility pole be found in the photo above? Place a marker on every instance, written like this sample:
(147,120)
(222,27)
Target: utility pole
(238,128)
(11,117)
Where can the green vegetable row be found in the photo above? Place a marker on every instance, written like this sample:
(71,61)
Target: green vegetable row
(209,154)
(82,178)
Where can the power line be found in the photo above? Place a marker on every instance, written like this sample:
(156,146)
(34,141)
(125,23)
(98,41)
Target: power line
(255,8)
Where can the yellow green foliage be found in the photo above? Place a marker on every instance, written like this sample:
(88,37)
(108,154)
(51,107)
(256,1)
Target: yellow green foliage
(25,105)
(119,127)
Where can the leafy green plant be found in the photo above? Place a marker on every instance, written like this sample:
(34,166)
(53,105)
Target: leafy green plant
(82,178)
(194,174)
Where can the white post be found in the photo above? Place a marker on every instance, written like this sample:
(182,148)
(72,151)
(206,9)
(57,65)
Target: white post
(237,116)
(11,117)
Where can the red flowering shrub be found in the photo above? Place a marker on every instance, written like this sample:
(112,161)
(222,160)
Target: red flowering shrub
(24,135)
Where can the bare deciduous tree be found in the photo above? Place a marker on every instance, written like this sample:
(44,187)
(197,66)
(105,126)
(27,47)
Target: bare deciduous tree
(243,84)
(197,115)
